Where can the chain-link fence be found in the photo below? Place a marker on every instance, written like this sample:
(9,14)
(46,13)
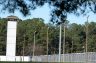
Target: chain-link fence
(73,57)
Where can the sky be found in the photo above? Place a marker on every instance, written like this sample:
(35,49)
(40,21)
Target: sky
(44,12)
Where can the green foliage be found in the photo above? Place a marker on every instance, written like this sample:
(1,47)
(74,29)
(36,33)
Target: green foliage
(75,38)
(3,34)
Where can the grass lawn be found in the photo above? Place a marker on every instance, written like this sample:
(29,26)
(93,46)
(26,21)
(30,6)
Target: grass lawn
(40,62)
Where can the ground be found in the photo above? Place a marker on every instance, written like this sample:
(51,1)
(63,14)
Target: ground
(39,62)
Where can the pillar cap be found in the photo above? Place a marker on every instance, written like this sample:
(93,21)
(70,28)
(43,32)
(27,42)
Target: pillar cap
(12,18)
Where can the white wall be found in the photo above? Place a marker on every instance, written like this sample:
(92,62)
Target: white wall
(19,58)
(2,58)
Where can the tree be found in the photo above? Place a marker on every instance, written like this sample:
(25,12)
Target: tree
(75,37)
(60,7)
(3,35)
(27,28)
(92,37)
(74,43)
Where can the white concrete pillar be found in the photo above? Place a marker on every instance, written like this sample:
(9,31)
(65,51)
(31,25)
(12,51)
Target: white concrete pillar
(11,40)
